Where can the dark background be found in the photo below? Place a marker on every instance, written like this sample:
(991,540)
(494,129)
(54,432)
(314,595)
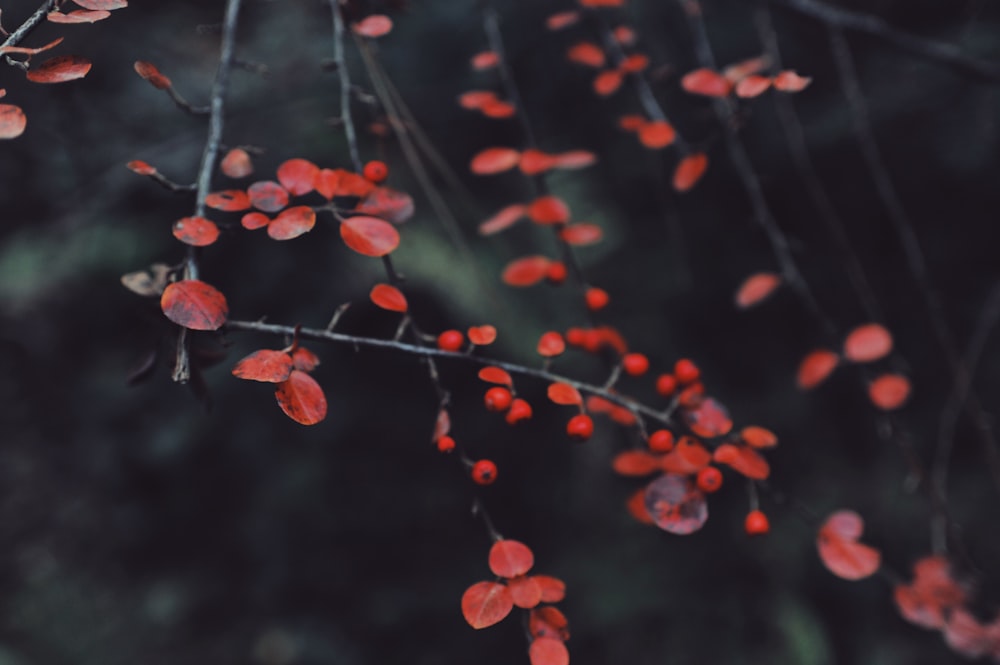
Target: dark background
(140,527)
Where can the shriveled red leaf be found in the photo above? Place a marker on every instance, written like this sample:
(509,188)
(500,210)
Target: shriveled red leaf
(548,209)
(535,161)
(267,196)
(706,82)
(369,235)
(587,54)
(635,463)
(12,121)
(756,288)
(744,460)
(140,167)
(752,86)
(485,60)
(494,160)
(292,222)
(304,359)
(525,591)
(237,163)
(867,343)
(676,505)
(31,51)
(553,588)
(634,63)
(147,282)
(789,81)
(194,304)
(510,558)
(758,437)
(78,16)
(264,365)
(496,375)
(149,72)
(607,82)
(486,603)
(230,200)
(196,231)
(255,220)
(657,134)
(709,419)
(388,297)
(548,651)
(563,393)
(816,367)
(582,233)
(59,69)
(839,550)
(102,4)
(390,204)
(376,25)
(503,219)
(526,270)
(574,159)
(301,398)
(482,335)
(298,176)
(562,20)
(689,171)
(619,414)
(548,622)
(889,391)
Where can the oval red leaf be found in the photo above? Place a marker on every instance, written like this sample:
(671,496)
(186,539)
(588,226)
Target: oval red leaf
(889,391)
(194,304)
(526,271)
(676,504)
(510,558)
(607,82)
(304,359)
(78,16)
(237,163)
(196,231)
(255,220)
(388,297)
(482,335)
(369,235)
(752,86)
(548,622)
(574,159)
(376,25)
(12,121)
(494,160)
(102,4)
(387,203)
(706,82)
(548,651)
(265,365)
(587,54)
(581,234)
(563,393)
(756,288)
(815,367)
(496,375)
(548,210)
(149,72)
(140,167)
(60,69)
(231,200)
(525,592)
(298,176)
(657,134)
(267,196)
(486,603)
(553,588)
(789,81)
(689,171)
(301,398)
(635,463)
(867,343)
(292,223)
(709,419)
(744,460)
(485,60)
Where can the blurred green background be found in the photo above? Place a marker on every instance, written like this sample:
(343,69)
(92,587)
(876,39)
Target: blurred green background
(141,527)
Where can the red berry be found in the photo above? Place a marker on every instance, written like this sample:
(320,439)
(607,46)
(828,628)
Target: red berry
(756,523)
(445,444)
(686,371)
(451,340)
(635,364)
(497,398)
(666,384)
(519,410)
(580,427)
(710,480)
(484,472)
(596,298)
(556,272)
(375,171)
(661,441)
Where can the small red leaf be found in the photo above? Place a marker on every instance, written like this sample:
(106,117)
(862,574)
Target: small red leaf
(553,588)
(495,375)
(369,235)
(839,550)
(485,60)
(482,335)
(12,121)
(706,82)
(267,196)
(752,86)
(504,219)
(889,391)
(587,54)
(548,209)
(149,72)
(657,134)
(562,20)
(551,344)
(709,419)
(255,220)
(526,271)
(758,437)
(265,365)
(535,161)
(548,651)
(102,4)
(59,69)
(140,167)
(574,159)
(298,176)
(78,16)
(582,233)
(744,460)
(510,558)
(634,63)
(301,398)
(388,297)
(304,359)
(231,200)
(608,82)
(525,592)
(376,25)
(237,163)
(548,622)
(689,171)
(388,204)
(635,463)
(292,222)
(565,394)
(676,504)
(486,603)
(756,288)
(494,160)
(816,367)
(867,343)
(194,304)
(789,81)
(196,231)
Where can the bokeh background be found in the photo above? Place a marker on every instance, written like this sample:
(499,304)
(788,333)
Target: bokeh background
(155,524)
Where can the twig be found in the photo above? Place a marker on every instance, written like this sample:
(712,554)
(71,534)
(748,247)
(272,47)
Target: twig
(345,85)
(30,24)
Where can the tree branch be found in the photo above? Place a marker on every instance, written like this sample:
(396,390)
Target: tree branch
(30,24)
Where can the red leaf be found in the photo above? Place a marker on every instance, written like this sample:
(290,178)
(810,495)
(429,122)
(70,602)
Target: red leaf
(476,99)
(526,271)
(494,160)
(388,297)
(815,367)
(752,86)
(636,506)
(706,82)
(504,219)
(485,60)
(267,196)
(709,419)
(889,391)
(255,220)
(102,4)
(574,159)
(237,163)
(301,398)
(149,72)
(657,134)
(756,288)
(789,81)
(59,69)
(376,25)
(587,54)
(525,592)
(31,51)
(78,16)
(582,233)
(196,231)
(635,463)
(304,359)
(291,223)
(687,457)
(548,622)
(548,651)
(758,437)
(553,588)
(867,343)
(495,375)
(194,304)
(140,167)
(565,394)
(607,82)
(482,335)
(744,460)
(689,171)
(535,161)
(745,68)
(369,235)
(676,504)
(966,635)
(12,121)
(548,209)
(510,558)
(298,176)
(264,365)
(486,603)
(551,344)
(387,203)
(562,20)
(338,182)
(839,550)
(231,200)
(634,63)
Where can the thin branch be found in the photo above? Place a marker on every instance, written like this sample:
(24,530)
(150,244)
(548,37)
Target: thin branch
(345,85)
(30,24)
(949,55)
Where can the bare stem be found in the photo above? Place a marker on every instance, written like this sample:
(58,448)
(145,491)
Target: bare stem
(32,22)
(345,85)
